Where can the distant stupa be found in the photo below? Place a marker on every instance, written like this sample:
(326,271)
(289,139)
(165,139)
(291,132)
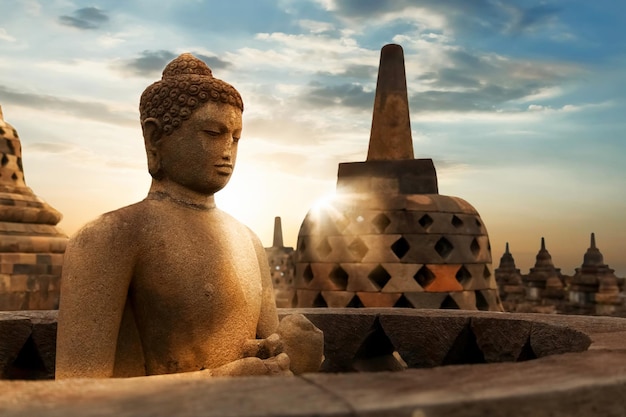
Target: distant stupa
(31,246)
(545,285)
(282,268)
(509,279)
(388,238)
(594,288)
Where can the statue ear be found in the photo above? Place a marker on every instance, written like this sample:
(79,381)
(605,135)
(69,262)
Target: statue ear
(152,134)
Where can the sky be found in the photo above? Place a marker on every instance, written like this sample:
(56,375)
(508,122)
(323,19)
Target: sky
(521,104)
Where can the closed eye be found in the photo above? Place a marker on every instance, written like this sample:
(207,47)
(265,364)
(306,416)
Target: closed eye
(212,132)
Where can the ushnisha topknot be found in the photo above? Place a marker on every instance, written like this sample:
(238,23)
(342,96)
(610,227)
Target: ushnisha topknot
(187,83)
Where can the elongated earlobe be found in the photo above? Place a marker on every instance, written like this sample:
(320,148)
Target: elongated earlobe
(152,134)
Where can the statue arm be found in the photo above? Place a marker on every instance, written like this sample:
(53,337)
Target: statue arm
(268,320)
(97,271)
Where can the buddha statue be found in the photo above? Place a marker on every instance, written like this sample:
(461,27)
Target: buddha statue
(172,284)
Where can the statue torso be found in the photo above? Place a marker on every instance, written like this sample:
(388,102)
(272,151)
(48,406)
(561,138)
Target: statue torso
(196,288)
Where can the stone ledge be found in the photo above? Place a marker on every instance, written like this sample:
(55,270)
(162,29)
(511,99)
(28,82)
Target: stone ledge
(573,384)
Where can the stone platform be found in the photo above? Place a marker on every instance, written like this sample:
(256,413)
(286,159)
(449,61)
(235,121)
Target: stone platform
(580,383)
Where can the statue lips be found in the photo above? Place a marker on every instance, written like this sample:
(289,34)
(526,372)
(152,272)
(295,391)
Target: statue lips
(224,169)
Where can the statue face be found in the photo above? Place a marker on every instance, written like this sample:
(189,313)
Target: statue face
(200,155)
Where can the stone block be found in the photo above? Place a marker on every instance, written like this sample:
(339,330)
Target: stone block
(339,350)
(501,340)
(377,299)
(551,340)
(422,342)
(15,332)
(426,300)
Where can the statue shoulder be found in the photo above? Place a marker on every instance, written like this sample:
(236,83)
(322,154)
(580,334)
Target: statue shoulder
(118,225)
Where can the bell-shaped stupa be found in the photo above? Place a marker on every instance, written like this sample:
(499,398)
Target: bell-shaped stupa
(388,238)
(31,246)
(509,280)
(594,288)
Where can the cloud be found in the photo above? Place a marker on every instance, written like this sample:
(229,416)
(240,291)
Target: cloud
(4,36)
(81,109)
(452,15)
(531,19)
(150,63)
(86,18)
(356,71)
(50,147)
(344,95)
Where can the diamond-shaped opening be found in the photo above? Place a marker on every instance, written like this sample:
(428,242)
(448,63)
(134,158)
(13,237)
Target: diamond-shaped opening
(381,222)
(324,248)
(403,302)
(358,248)
(379,276)
(355,303)
(319,301)
(14,176)
(486,273)
(308,274)
(443,247)
(400,247)
(425,221)
(302,245)
(481,301)
(475,247)
(424,276)
(488,245)
(463,275)
(5,159)
(449,304)
(478,223)
(456,222)
(339,277)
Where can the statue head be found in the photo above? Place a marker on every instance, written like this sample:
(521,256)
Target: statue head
(191,123)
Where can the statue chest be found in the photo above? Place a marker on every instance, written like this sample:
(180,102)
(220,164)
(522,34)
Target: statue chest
(205,273)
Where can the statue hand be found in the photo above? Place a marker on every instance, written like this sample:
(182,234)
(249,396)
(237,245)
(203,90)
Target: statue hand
(275,366)
(263,348)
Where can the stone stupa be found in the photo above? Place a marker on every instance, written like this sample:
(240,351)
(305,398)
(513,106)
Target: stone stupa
(545,285)
(31,246)
(282,269)
(509,279)
(388,238)
(594,288)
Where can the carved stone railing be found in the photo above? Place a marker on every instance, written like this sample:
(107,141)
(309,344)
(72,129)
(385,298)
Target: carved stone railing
(356,340)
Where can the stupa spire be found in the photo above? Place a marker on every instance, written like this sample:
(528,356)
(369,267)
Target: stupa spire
(390,137)
(507,249)
(593,241)
(278,233)
(543,243)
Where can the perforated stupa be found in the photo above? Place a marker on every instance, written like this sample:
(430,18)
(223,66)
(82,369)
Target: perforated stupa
(388,238)
(31,246)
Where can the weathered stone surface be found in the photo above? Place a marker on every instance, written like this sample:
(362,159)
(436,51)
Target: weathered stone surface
(423,342)
(546,340)
(575,384)
(343,336)
(501,340)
